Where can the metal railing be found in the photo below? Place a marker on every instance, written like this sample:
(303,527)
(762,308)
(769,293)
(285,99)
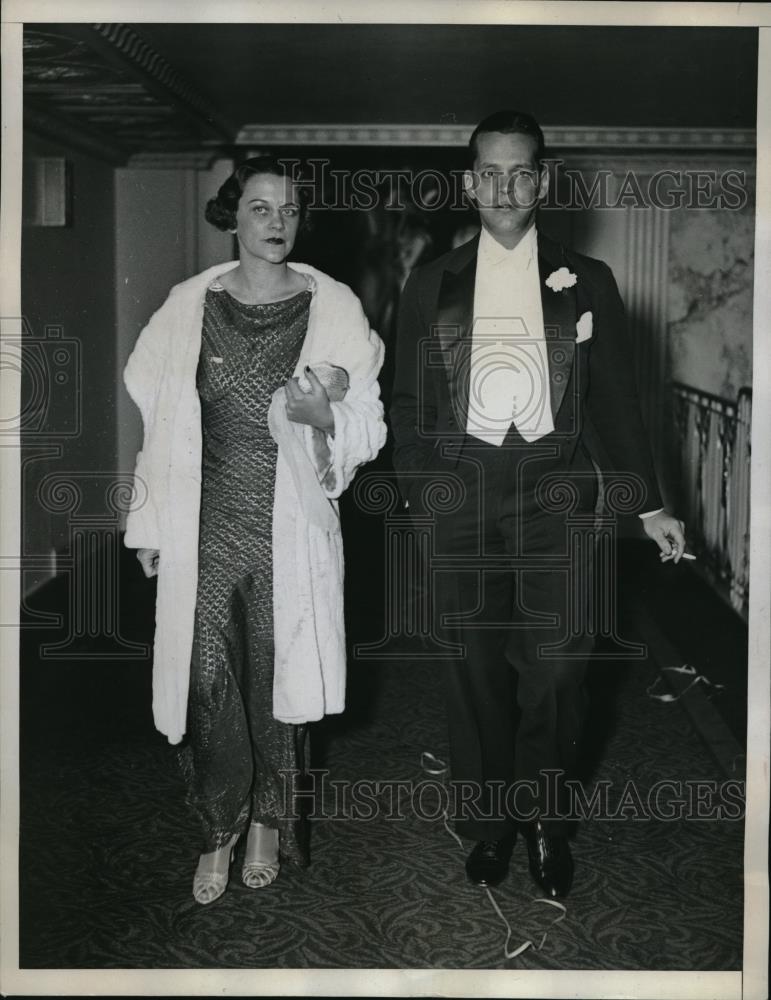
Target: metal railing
(714,462)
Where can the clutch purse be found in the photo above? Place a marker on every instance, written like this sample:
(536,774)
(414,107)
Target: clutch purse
(334,378)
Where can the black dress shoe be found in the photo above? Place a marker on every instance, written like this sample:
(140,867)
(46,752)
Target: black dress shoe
(488,863)
(551,863)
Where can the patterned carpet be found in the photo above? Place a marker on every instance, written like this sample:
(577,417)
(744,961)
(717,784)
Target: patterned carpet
(108,848)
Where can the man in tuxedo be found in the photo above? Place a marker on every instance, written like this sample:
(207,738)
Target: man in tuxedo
(533,392)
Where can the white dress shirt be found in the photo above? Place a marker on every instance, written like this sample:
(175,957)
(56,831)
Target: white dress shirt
(509,376)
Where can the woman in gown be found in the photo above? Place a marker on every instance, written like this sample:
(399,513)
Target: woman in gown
(211,428)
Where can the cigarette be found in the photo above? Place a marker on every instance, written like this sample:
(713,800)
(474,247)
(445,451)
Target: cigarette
(687,555)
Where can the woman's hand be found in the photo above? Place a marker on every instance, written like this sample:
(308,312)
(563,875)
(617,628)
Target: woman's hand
(149,560)
(309,407)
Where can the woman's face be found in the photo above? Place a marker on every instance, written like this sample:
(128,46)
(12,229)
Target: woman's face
(268,218)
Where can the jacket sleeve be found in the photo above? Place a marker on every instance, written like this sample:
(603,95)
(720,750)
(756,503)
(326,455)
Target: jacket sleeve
(413,405)
(360,430)
(141,377)
(612,401)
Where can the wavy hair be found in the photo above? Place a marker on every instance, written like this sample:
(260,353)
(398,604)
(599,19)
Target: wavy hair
(221,210)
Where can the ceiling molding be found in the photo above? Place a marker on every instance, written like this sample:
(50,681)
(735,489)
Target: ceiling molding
(105,90)
(109,88)
(160,77)
(651,139)
(557,137)
(616,164)
(647,162)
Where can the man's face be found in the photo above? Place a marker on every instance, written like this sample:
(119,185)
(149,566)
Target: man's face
(506,184)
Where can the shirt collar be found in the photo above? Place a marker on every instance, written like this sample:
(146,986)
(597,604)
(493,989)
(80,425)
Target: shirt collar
(492,253)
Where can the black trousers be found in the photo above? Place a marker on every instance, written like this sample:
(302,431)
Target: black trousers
(515,697)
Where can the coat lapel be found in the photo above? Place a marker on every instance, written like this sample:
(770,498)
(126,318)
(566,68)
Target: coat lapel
(559,322)
(455,313)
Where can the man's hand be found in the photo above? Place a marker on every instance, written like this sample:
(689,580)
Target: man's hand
(149,561)
(668,533)
(309,407)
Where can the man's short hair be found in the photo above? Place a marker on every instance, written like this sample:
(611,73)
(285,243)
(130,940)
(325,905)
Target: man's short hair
(509,122)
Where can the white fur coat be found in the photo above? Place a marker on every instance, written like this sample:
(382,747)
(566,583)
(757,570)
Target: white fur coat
(309,674)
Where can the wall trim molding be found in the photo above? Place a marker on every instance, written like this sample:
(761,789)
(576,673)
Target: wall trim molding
(559,137)
(643,162)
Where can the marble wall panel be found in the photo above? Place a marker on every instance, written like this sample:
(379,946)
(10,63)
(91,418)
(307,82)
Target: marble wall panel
(709,307)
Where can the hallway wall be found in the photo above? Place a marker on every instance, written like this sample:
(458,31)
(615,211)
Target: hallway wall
(68,301)
(161,238)
(87,289)
(678,233)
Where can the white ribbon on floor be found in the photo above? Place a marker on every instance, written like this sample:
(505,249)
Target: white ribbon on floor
(689,671)
(437,768)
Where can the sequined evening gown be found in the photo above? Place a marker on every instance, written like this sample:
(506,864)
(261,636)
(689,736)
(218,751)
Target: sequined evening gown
(236,750)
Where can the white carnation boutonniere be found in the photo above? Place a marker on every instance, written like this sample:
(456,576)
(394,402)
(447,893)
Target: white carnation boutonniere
(561,278)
